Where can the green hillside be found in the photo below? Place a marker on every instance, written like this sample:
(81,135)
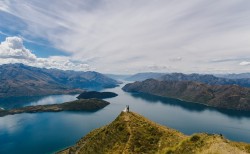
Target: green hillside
(131,133)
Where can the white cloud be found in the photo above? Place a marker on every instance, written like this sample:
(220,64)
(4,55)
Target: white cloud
(3,5)
(13,47)
(110,33)
(3,33)
(12,50)
(175,59)
(244,63)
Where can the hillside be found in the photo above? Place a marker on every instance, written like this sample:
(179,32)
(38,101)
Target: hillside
(205,78)
(220,96)
(131,133)
(22,80)
(78,105)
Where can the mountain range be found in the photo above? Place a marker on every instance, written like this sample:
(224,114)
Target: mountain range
(222,79)
(205,78)
(23,80)
(220,96)
(234,76)
(131,133)
(118,76)
(144,76)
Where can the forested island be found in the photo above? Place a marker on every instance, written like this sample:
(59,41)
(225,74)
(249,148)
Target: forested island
(96,94)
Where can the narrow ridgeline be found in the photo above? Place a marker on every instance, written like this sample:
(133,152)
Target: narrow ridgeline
(131,133)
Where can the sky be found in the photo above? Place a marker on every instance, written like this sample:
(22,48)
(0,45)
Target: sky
(127,36)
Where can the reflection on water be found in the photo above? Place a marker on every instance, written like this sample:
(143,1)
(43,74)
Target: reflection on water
(48,132)
(56,99)
(188,105)
(16,102)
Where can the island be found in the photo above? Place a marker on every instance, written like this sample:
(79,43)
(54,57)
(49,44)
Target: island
(89,105)
(132,133)
(97,95)
(232,97)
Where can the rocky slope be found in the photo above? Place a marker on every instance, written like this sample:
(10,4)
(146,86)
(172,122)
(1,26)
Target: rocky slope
(22,80)
(78,105)
(220,96)
(96,94)
(130,133)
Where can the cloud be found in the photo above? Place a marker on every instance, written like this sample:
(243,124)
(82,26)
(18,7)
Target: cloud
(176,59)
(2,33)
(223,60)
(155,67)
(111,32)
(12,50)
(244,63)
(13,47)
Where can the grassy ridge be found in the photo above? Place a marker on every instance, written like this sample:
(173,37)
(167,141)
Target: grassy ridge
(131,133)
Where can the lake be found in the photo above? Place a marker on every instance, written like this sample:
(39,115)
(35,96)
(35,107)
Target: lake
(40,133)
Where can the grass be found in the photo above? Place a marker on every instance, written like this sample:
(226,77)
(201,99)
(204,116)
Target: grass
(131,133)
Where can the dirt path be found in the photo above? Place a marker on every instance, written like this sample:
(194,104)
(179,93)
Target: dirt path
(127,119)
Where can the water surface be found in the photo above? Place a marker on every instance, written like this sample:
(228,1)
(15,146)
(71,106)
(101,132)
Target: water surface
(48,132)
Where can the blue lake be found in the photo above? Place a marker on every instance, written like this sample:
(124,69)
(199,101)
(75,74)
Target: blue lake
(41,133)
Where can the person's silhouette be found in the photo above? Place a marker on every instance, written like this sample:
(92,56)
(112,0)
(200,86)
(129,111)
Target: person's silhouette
(128,108)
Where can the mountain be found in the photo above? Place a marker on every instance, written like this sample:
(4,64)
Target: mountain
(234,76)
(117,76)
(131,133)
(207,78)
(144,76)
(22,80)
(87,105)
(221,96)
(96,94)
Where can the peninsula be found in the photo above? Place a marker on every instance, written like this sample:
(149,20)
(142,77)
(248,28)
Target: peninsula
(88,105)
(220,96)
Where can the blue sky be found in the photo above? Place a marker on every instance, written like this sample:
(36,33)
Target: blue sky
(117,36)
(40,46)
